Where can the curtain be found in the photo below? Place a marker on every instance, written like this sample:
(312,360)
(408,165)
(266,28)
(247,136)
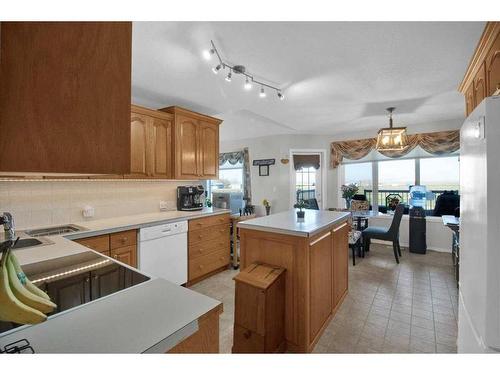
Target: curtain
(240,157)
(436,143)
(232,157)
(247,185)
(300,161)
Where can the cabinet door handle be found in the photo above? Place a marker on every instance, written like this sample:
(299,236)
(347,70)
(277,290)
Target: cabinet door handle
(115,256)
(319,239)
(247,334)
(340,227)
(87,279)
(96,277)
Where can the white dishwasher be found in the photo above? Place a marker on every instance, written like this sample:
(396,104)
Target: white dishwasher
(163,251)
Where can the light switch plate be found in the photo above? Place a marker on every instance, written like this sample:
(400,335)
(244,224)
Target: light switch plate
(163,205)
(88,211)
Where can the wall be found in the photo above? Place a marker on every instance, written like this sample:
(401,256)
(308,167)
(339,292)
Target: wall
(276,186)
(40,203)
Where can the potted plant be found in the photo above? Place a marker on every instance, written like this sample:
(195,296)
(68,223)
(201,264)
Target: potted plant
(267,205)
(349,191)
(208,202)
(301,204)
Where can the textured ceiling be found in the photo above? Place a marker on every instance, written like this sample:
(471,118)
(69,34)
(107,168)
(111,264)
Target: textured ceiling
(338,77)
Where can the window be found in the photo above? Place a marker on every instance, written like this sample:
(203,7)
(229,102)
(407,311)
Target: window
(230,178)
(396,174)
(361,175)
(395,177)
(440,173)
(305,183)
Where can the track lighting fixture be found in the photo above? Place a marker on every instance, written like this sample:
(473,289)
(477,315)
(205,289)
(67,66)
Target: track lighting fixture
(239,69)
(262,93)
(248,84)
(216,69)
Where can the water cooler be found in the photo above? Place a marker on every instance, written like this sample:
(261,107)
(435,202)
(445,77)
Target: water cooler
(418,243)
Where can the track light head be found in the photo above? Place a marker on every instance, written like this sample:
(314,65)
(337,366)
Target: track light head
(281,96)
(262,93)
(207,54)
(248,84)
(229,76)
(216,69)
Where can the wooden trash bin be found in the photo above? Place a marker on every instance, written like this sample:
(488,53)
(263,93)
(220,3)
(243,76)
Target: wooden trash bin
(259,313)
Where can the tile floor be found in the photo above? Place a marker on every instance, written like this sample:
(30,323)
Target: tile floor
(390,308)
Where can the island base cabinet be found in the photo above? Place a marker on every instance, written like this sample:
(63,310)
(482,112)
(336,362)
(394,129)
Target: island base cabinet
(340,264)
(315,279)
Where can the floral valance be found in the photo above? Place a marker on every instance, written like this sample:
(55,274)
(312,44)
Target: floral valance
(232,157)
(437,143)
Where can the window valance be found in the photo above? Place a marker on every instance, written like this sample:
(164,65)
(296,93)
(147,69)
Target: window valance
(436,143)
(232,158)
(300,161)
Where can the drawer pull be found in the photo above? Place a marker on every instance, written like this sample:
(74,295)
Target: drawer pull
(200,237)
(199,224)
(200,251)
(124,239)
(115,256)
(247,334)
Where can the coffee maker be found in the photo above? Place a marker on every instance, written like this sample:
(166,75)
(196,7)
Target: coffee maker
(190,198)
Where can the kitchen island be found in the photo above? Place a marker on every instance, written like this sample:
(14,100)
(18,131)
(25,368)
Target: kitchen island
(314,252)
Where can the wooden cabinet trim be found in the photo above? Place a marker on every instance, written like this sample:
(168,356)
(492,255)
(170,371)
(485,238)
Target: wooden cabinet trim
(175,110)
(488,37)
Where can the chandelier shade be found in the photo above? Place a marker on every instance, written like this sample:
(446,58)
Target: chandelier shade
(392,138)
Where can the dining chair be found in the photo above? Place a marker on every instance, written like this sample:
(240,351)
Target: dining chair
(386,234)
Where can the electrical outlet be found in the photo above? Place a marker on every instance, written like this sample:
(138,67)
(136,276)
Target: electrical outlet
(163,205)
(88,211)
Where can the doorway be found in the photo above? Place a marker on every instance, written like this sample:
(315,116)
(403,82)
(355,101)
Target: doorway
(308,176)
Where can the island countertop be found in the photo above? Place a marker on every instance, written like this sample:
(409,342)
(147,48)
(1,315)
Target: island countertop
(287,223)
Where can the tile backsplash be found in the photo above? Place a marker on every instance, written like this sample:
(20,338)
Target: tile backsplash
(39,203)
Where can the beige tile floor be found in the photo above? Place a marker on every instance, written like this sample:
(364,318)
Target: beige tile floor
(390,308)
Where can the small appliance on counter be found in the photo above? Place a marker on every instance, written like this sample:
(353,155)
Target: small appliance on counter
(232,200)
(190,198)
(418,228)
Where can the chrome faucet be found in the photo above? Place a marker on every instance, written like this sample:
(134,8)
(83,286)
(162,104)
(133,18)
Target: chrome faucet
(8,224)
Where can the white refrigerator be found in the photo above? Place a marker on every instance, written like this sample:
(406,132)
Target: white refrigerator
(479,286)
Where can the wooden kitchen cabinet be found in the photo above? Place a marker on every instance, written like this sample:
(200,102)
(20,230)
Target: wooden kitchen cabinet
(209,248)
(69,292)
(196,144)
(151,144)
(65,97)
(121,246)
(340,263)
(321,265)
(482,78)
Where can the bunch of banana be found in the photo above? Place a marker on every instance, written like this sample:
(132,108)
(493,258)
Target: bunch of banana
(21,301)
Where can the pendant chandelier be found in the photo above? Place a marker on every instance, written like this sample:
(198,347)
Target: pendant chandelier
(391,138)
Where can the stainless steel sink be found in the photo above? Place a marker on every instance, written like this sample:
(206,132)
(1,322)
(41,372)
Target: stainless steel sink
(53,231)
(27,242)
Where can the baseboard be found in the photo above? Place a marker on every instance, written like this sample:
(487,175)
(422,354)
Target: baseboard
(405,244)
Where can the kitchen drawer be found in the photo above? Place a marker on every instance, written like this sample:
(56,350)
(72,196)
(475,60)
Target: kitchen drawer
(210,221)
(206,247)
(210,233)
(208,263)
(97,243)
(122,239)
(247,341)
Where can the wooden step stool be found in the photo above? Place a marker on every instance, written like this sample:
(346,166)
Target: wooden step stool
(259,312)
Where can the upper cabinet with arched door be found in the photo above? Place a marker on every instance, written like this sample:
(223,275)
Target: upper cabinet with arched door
(196,144)
(482,78)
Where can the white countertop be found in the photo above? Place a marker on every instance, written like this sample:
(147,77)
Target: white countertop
(287,223)
(152,316)
(63,244)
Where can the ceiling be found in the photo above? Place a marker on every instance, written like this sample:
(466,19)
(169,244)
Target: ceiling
(337,77)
